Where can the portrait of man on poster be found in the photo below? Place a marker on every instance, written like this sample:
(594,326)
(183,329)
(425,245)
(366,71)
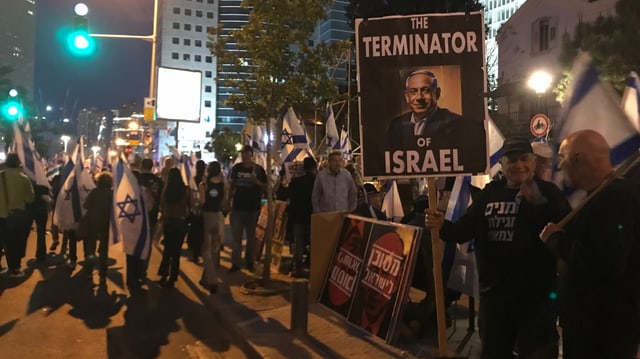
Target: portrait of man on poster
(426,118)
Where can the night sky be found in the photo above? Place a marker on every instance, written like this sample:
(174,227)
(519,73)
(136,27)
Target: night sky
(117,73)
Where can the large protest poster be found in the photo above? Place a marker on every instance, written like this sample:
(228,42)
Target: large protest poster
(422,106)
(370,274)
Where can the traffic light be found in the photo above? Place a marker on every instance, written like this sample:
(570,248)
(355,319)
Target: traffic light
(12,108)
(79,42)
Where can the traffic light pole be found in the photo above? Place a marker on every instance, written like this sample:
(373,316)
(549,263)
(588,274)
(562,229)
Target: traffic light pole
(151,38)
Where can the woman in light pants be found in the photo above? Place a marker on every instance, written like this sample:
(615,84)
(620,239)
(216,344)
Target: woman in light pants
(214,191)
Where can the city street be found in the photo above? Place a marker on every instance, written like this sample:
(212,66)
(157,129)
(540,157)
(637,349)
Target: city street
(56,312)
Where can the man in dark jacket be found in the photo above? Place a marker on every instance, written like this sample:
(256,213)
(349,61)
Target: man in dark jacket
(299,211)
(517,273)
(600,283)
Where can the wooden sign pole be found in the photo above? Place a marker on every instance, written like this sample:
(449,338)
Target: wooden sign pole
(437,274)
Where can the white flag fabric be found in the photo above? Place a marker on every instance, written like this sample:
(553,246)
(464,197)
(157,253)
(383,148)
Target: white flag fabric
(345,145)
(295,146)
(258,145)
(75,189)
(129,219)
(631,100)
(391,204)
(333,141)
(592,104)
(31,164)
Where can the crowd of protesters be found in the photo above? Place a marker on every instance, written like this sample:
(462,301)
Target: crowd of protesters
(512,222)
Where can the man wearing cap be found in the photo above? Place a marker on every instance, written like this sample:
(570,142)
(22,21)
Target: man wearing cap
(517,273)
(248,182)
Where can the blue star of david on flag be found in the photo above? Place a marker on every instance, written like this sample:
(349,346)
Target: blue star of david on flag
(124,213)
(287,138)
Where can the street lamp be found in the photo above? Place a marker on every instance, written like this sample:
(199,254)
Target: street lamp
(95,150)
(540,81)
(65,139)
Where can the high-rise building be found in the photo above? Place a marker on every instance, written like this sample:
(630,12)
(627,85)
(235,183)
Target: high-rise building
(335,27)
(496,13)
(183,44)
(17,41)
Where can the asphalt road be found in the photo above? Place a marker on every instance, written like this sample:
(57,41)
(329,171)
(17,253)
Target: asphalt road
(55,312)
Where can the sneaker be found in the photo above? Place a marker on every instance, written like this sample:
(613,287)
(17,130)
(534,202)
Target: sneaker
(16,273)
(54,245)
(233,268)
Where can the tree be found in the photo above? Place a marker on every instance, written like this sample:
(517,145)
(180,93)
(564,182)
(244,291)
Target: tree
(612,42)
(275,66)
(223,143)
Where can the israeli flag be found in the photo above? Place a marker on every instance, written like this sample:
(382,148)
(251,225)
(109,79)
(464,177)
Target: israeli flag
(391,204)
(333,141)
(258,145)
(31,164)
(591,104)
(74,192)
(631,100)
(295,145)
(53,172)
(129,219)
(345,145)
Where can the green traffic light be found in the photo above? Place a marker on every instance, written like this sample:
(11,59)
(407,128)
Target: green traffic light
(12,110)
(80,43)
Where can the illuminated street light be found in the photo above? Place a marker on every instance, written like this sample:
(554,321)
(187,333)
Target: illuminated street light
(81,9)
(65,139)
(95,150)
(239,146)
(539,81)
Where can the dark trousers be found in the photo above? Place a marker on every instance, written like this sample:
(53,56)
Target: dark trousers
(40,215)
(72,242)
(15,244)
(196,235)
(174,231)
(101,241)
(512,319)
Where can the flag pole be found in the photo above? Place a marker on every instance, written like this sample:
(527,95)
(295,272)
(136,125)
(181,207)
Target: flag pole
(437,273)
(622,170)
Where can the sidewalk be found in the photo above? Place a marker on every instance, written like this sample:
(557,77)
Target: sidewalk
(264,322)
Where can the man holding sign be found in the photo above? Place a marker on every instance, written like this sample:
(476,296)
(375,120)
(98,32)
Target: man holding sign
(517,274)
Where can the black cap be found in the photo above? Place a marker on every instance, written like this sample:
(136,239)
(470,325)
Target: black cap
(370,189)
(247,148)
(516,145)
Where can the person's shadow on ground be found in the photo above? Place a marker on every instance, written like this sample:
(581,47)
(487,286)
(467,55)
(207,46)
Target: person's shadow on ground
(153,315)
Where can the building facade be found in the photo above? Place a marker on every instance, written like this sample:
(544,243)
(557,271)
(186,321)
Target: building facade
(17,42)
(496,13)
(531,40)
(183,44)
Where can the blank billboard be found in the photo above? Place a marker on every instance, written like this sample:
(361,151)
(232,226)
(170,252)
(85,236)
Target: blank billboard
(179,94)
